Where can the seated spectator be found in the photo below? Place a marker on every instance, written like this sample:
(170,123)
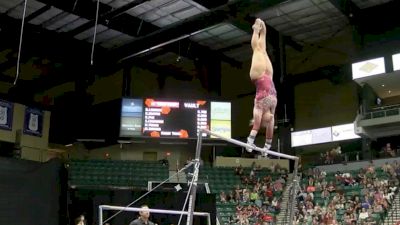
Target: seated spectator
(377,208)
(252,173)
(388,150)
(230,196)
(239,170)
(325,194)
(233,220)
(246,195)
(363,214)
(238,208)
(253,196)
(331,187)
(278,186)
(243,219)
(366,203)
(222,196)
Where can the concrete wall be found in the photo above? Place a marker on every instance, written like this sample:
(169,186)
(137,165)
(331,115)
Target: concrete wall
(356,165)
(32,147)
(322,104)
(234,162)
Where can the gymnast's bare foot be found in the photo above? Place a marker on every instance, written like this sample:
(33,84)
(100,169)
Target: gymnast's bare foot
(257,26)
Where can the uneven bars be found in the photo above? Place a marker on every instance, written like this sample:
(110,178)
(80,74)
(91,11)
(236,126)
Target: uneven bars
(236,142)
(135,209)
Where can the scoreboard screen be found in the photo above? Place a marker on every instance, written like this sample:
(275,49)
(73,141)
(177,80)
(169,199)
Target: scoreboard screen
(158,118)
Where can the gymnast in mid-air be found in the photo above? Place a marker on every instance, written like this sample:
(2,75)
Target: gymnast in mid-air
(265,101)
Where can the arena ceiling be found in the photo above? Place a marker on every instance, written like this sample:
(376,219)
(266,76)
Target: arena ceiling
(59,34)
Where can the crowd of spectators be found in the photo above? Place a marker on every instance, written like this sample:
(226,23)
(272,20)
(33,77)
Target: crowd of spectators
(258,197)
(346,198)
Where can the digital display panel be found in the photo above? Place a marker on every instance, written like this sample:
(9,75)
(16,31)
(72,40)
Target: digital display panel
(180,119)
(343,132)
(221,118)
(131,117)
(151,117)
(321,135)
(368,68)
(396,61)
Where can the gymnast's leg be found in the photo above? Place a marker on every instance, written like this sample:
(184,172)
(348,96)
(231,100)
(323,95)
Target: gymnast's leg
(270,119)
(257,117)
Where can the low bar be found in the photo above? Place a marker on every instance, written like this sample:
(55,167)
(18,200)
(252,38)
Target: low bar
(133,209)
(236,142)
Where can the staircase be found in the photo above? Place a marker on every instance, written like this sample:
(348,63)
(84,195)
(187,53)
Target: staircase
(283,216)
(394,213)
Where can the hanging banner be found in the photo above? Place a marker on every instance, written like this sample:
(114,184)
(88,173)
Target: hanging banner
(33,124)
(6,115)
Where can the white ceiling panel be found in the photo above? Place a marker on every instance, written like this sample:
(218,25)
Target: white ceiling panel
(305,19)
(292,6)
(232,34)
(104,36)
(269,13)
(278,20)
(106,1)
(310,19)
(301,36)
(52,12)
(68,18)
(294,30)
(166,12)
(31,7)
(8,4)
(187,13)
(369,3)
(284,26)
(160,12)
(119,3)
(326,6)
(117,41)
(140,9)
(159,3)
(237,40)
(201,36)
(150,16)
(221,36)
(89,32)
(304,12)
(165,21)
(175,6)
(74,24)
(317,2)
(209,42)
(221,29)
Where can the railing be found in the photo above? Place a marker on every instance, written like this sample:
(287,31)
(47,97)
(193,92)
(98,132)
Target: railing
(291,187)
(317,160)
(393,209)
(383,112)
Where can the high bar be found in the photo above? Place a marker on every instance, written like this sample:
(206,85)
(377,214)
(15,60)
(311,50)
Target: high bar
(245,145)
(133,209)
